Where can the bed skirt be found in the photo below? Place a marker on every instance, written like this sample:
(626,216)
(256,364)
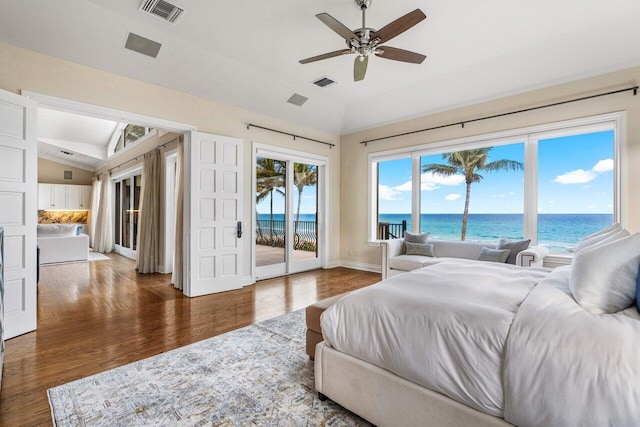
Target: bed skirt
(385,399)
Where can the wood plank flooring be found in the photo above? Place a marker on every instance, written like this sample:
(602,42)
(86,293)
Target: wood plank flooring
(100,315)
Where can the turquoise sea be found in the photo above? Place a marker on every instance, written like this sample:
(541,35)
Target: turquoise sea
(558,232)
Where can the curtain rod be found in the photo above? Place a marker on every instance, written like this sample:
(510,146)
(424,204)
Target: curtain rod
(462,123)
(138,156)
(250,125)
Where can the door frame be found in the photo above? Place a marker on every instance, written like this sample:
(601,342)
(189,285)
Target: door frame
(259,149)
(120,177)
(92,110)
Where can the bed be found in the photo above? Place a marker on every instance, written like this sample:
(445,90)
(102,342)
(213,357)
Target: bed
(474,343)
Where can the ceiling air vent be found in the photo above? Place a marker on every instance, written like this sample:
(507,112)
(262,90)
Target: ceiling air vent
(68,153)
(142,45)
(297,99)
(162,9)
(324,82)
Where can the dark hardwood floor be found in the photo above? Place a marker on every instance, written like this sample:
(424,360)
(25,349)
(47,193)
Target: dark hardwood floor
(100,315)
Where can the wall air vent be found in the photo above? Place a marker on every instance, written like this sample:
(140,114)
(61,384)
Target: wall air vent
(297,99)
(324,82)
(162,9)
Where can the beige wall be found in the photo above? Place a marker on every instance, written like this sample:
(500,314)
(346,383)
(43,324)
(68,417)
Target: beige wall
(22,69)
(53,173)
(354,179)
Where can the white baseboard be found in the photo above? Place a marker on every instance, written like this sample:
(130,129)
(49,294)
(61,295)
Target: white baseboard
(248,280)
(332,264)
(374,268)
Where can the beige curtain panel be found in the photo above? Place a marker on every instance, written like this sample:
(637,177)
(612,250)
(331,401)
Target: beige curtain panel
(148,247)
(104,219)
(178,253)
(95,206)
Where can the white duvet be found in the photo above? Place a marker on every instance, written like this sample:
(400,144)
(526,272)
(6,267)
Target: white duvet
(443,327)
(505,340)
(567,367)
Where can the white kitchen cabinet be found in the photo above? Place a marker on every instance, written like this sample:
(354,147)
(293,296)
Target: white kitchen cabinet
(64,197)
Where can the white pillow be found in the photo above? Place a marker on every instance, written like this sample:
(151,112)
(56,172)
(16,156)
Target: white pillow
(601,237)
(603,276)
(57,230)
(597,236)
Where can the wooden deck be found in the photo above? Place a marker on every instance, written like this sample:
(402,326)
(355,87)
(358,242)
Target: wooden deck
(268,255)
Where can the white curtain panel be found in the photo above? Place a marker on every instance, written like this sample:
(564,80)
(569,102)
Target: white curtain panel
(93,213)
(148,257)
(104,219)
(178,254)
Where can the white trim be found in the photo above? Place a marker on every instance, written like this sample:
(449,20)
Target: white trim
(374,268)
(132,144)
(78,107)
(170,160)
(530,136)
(135,169)
(495,138)
(68,162)
(323,191)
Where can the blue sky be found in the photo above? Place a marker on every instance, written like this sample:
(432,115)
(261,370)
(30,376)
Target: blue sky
(575,176)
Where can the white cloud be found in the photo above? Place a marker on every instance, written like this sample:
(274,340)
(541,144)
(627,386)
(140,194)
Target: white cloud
(452,196)
(581,176)
(498,196)
(578,176)
(388,193)
(430,181)
(603,166)
(511,193)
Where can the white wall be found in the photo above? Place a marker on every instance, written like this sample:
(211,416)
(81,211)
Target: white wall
(354,187)
(21,69)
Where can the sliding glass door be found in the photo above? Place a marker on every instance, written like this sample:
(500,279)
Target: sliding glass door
(127,204)
(287,237)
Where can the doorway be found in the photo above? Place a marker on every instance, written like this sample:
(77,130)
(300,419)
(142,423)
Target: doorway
(289,212)
(126,208)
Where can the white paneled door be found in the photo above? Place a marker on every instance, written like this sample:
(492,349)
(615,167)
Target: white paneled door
(18,210)
(213,199)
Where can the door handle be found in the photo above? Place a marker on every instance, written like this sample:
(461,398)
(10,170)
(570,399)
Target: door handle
(239,229)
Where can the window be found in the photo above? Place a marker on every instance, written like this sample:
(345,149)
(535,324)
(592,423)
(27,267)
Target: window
(552,184)
(130,134)
(394,198)
(575,188)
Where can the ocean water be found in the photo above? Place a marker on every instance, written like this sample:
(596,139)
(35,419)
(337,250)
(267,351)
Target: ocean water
(558,232)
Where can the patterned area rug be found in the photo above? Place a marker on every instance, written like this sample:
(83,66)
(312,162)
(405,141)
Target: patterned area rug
(258,375)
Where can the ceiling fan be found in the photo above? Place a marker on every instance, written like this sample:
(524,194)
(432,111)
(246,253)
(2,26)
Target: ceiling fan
(367,41)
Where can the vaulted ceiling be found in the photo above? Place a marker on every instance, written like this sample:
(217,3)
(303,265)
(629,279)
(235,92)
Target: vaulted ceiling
(246,53)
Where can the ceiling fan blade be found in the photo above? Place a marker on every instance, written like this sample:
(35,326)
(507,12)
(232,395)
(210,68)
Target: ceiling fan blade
(325,56)
(396,54)
(360,68)
(336,26)
(398,26)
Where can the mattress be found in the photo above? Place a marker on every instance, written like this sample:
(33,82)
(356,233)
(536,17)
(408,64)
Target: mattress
(443,327)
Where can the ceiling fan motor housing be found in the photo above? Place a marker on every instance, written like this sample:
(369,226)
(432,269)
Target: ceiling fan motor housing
(363,4)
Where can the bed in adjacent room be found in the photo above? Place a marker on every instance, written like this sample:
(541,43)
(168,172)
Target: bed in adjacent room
(474,343)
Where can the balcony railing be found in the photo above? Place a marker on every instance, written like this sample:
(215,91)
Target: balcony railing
(272,233)
(387,231)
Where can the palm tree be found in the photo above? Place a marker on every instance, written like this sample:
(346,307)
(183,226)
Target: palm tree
(468,163)
(270,177)
(303,175)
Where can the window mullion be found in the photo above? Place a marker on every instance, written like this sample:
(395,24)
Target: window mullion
(531,190)
(415,194)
